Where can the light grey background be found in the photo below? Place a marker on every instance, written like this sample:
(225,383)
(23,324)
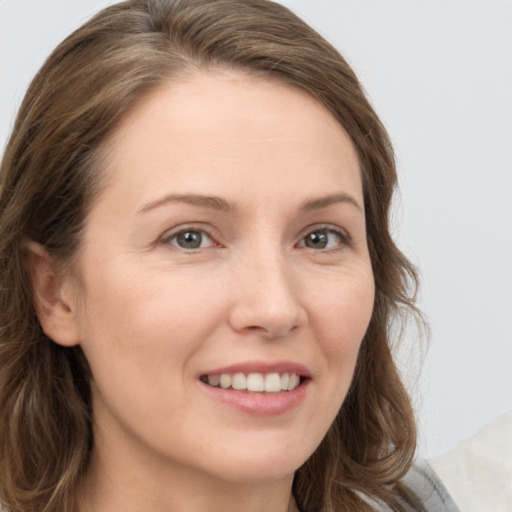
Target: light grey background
(439,73)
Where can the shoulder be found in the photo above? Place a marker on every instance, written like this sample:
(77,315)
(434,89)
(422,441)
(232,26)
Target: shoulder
(429,488)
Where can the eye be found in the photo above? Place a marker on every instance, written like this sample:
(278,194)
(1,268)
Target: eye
(191,239)
(324,239)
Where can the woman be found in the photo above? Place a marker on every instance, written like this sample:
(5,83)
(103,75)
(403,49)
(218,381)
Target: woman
(198,279)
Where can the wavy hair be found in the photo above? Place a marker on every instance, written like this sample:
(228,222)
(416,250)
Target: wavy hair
(50,175)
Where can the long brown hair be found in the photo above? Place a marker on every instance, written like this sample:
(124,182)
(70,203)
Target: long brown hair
(50,174)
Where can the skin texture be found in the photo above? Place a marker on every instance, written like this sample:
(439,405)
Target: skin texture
(152,317)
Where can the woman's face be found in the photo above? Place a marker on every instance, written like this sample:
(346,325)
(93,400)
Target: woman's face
(228,249)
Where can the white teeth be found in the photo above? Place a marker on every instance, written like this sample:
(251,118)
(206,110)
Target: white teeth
(225,381)
(294,381)
(255,382)
(272,383)
(239,381)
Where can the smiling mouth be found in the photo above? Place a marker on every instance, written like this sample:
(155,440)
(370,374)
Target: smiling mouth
(255,382)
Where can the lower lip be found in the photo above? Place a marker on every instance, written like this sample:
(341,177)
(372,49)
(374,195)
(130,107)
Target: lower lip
(259,404)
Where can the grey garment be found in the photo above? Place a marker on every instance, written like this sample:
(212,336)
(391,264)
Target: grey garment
(425,483)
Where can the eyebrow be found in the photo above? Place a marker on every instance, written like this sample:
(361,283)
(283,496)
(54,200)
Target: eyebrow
(209,202)
(220,204)
(324,202)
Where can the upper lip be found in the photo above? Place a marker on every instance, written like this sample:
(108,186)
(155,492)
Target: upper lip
(261,367)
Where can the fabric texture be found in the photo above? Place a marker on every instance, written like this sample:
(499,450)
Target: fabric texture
(478,472)
(427,485)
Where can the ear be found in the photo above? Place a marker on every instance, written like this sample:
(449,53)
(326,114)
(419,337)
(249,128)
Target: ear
(52,296)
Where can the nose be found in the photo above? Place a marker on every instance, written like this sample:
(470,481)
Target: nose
(267,298)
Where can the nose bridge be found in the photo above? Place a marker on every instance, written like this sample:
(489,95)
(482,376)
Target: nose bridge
(267,300)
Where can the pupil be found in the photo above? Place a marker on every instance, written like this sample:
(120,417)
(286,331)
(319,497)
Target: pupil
(317,240)
(190,240)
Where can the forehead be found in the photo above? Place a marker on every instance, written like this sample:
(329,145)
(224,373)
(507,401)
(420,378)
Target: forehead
(211,126)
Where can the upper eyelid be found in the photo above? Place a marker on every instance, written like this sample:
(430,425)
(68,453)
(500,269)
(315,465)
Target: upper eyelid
(173,232)
(326,227)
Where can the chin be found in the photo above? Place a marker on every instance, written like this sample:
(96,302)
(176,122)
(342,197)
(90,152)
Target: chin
(265,461)
(249,472)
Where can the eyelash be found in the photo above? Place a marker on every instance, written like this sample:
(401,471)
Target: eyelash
(343,242)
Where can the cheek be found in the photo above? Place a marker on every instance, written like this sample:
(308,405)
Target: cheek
(342,318)
(343,310)
(145,319)
(140,335)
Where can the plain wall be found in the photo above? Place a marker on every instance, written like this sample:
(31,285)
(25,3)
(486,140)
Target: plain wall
(439,74)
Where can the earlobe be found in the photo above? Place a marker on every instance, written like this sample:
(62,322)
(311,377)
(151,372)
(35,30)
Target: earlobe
(56,314)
